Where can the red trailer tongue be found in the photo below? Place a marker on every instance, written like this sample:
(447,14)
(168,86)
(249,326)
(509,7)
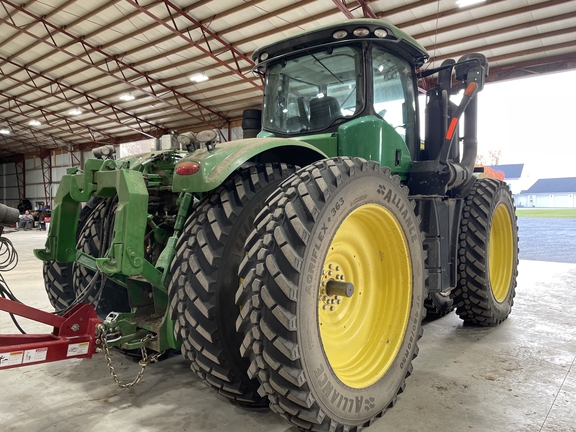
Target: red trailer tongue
(74,336)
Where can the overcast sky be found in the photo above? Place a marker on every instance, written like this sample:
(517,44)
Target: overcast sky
(532,120)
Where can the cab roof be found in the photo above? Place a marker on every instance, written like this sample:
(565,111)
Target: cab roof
(395,39)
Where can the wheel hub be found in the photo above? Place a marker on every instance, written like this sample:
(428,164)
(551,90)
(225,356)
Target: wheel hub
(333,289)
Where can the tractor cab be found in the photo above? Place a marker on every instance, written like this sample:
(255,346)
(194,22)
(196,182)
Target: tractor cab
(316,82)
(356,84)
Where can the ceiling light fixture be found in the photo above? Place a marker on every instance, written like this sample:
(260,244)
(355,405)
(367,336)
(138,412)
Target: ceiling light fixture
(464,3)
(34,123)
(127,97)
(5,131)
(75,111)
(200,77)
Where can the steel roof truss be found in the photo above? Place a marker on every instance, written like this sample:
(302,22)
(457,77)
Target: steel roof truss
(235,53)
(108,56)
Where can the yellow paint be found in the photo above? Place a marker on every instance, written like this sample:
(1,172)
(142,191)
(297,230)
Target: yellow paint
(501,253)
(362,335)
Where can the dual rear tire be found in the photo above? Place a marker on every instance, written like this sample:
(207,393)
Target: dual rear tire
(323,360)
(488,255)
(205,279)
(331,360)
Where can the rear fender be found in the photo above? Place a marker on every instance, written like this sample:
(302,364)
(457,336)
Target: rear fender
(217,164)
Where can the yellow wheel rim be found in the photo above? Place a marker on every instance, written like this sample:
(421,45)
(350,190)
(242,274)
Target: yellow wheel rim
(501,253)
(362,335)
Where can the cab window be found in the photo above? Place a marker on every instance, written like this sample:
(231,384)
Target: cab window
(394,96)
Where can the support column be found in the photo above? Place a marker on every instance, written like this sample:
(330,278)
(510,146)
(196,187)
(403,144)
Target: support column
(46,163)
(20,176)
(74,160)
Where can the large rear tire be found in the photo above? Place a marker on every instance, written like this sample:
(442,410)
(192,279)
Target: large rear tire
(488,255)
(205,279)
(329,361)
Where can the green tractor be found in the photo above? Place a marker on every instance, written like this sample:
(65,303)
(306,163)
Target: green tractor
(294,268)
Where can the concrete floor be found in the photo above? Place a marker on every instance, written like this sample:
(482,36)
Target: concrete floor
(520,376)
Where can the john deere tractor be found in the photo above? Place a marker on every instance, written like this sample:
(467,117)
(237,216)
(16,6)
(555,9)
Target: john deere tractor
(294,268)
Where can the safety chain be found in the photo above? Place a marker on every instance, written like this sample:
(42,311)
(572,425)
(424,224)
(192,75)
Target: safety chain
(145,361)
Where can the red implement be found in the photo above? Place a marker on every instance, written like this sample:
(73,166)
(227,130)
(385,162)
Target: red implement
(75,335)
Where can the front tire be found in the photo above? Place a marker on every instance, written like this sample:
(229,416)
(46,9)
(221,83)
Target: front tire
(205,279)
(488,255)
(326,361)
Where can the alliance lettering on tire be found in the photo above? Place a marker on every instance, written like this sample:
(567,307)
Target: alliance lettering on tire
(340,401)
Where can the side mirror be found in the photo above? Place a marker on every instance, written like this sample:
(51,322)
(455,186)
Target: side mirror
(472,68)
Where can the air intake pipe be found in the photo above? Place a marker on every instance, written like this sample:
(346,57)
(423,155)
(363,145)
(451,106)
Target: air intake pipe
(471,69)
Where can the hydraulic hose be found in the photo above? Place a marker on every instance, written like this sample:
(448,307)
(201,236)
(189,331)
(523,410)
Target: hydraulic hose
(8,261)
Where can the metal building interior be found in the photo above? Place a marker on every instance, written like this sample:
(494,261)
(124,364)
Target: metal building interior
(70,67)
(78,75)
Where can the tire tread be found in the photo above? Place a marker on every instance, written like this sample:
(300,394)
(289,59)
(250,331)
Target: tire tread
(197,265)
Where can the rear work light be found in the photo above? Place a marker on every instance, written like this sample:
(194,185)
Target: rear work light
(187,168)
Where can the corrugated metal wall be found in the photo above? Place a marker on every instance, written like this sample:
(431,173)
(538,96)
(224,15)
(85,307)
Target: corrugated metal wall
(34,178)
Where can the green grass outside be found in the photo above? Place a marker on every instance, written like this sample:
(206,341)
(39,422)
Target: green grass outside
(546,213)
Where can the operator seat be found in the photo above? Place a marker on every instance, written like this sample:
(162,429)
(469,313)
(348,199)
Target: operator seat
(323,110)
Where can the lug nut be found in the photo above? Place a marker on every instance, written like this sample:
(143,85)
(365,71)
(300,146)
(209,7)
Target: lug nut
(332,308)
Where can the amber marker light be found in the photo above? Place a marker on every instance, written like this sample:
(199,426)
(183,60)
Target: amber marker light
(187,168)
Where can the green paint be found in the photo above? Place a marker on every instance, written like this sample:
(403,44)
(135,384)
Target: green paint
(327,143)
(217,165)
(130,178)
(372,138)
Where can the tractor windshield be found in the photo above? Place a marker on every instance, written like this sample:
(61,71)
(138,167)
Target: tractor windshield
(314,91)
